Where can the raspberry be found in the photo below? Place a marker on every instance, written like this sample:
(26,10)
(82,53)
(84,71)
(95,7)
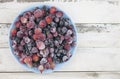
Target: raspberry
(48,19)
(13,32)
(52,10)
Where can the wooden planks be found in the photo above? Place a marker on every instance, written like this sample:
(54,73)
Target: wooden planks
(62,75)
(96,13)
(84,59)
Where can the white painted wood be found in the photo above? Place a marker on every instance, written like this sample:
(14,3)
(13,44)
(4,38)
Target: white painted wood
(84,59)
(82,12)
(62,75)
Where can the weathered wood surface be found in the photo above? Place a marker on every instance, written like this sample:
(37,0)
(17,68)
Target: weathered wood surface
(63,75)
(80,12)
(98,53)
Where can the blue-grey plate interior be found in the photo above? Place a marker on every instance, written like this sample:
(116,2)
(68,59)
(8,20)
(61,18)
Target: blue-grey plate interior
(33,69)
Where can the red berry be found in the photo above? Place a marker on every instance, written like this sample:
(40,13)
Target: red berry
(49,36)
(22,60)
(35,37)
(37,31)
(52,10)
(42,23)
(67,46)
(35,57)
(23,20)
(30,24)
(49,59)
(13,32)
(52,65)
(48,19)
(42,37)
(17,24)
(27,59)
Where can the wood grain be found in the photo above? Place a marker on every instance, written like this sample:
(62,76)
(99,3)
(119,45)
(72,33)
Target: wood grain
(81,13)
(68,75)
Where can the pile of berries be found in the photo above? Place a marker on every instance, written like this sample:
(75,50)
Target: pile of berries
(42,38)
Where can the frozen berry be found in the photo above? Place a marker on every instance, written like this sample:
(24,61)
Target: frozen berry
(30,24)
(59,14)
(20,34)
(64,30)
(43,61)
(49,36)
(55,34)
(42,23)
(35,36)
(20,48)
(27,59)
(69,32)
(48,19)
(67,46)
(52,65)
(35,57)
(37,31)
(17,24)
(23,20)
(26,39)
(49,59)
(38,13)
(52,10)
(13,32)
(40,45)
(56,19)
(65,58)
(53,29)
(41,68)
(34,50)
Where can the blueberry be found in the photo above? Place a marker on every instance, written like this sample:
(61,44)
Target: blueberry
(56,19)
(64,30)
(61,23)
(34,50)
